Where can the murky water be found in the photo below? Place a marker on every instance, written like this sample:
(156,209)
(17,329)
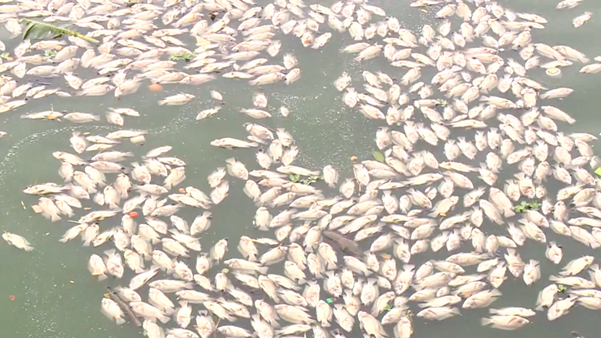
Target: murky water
(54,294)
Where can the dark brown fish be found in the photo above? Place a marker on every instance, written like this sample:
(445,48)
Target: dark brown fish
(344,243)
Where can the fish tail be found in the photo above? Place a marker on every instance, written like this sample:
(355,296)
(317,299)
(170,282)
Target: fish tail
(120,321)
(509,213)
(54,218)
(486,321)
(102,277)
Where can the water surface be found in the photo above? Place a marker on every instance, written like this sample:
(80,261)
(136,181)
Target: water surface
(56,297)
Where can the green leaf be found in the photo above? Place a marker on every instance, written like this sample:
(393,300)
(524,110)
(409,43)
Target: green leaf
(378,156)
(294,178)
(598,171)
(39,30)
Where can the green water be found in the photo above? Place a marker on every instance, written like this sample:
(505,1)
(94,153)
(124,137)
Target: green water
(55,296)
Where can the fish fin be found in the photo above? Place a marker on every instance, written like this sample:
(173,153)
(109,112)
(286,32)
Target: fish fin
(110,252)
(120,321)
(28,248)
(37,209)
(102,277)
(164,319)
(485,321)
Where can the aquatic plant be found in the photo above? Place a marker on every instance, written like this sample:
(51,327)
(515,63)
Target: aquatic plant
(294,178)
(184,56)
(49,53)
(524,206)
(40,30)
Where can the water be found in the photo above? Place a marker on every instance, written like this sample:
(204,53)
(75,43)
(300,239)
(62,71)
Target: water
(54,294)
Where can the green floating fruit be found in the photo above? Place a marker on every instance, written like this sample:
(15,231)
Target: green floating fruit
(329,300)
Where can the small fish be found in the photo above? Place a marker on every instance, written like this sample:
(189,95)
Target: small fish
(17,241)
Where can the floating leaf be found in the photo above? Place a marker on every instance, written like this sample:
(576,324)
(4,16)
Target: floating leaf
(294,178)
(40,30)
(561,288)
(378,156)
(598,171)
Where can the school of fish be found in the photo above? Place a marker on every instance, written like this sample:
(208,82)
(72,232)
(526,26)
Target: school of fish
(345,246)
